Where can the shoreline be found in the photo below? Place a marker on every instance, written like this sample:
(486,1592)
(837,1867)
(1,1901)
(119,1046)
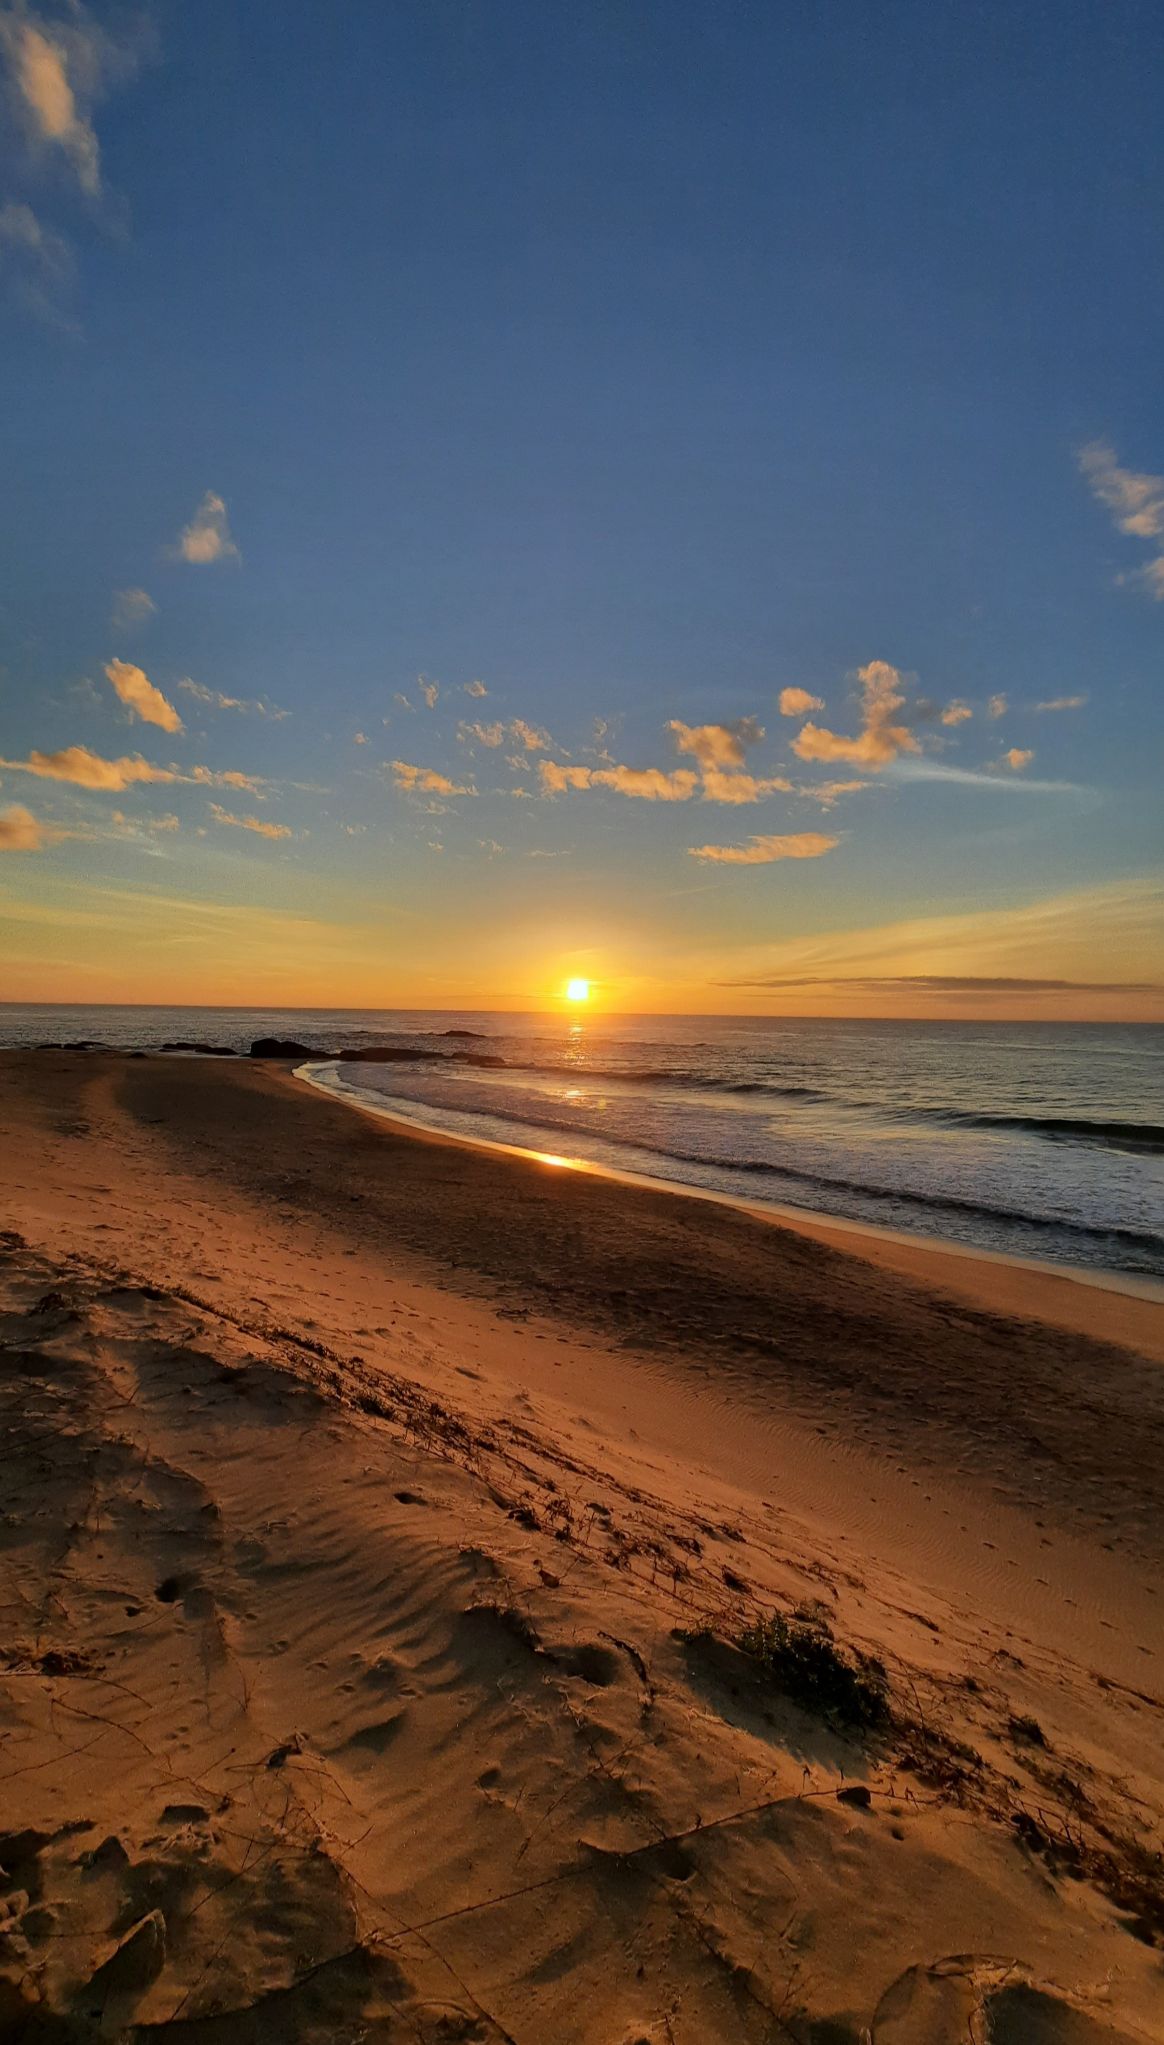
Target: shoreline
(805,1221)
(386,1524)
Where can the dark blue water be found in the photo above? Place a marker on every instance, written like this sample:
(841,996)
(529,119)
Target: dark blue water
(1038,1139)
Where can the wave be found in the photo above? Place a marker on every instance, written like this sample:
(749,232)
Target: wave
(786,1177)
(1146,1136)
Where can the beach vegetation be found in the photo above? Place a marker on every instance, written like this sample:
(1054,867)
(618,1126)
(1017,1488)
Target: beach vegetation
(801,1658)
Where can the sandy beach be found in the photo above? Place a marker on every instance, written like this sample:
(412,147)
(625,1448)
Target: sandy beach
(384,1522)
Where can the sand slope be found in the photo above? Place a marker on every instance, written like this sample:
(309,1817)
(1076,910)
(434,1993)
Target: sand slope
(363,1675)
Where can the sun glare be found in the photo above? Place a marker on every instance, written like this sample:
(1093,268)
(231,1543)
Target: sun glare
(577,990)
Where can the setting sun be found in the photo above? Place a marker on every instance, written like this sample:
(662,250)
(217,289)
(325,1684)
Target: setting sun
(577,990)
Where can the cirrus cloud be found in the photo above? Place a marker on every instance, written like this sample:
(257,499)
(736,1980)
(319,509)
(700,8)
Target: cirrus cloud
(762,851)
(259,825)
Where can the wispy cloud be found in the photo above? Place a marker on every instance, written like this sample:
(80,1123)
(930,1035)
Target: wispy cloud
(476,689)
(250,706)
(207,538)
(133,687)
(54,69)
(131,607)
(992,777)
(1063,703)
(426,780)
(429,690)
(1136,503)
(880,739)
(260,825)
(798,702)
(37,263)
(828,792)
(20,831)
(956,713)
(85,769)
(762,851)
(491,735)
(997,706)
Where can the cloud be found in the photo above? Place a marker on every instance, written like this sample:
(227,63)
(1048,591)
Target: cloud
(798,702)
(38,262)
(556,778)
(880,739)
(1018,758)
(485,734)
(721,787)
(20,831)
(1136,502)
(476,689)
(988,777)
(529,736)
(716,745)
(1063,703)
(207,537)
(956,713)
(131,607)
(88,770)
(257,824)
(429,690)
(827,792)
(426,780)
(360,739)
(134,825)
(43,58)
(955,983)
(996,707)
(141,699)
(649,784)
(250,706)
(763,851)
(85,769)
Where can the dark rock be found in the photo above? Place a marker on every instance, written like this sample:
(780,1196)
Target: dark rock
(203,1050)
(284,1047)
(479,1034)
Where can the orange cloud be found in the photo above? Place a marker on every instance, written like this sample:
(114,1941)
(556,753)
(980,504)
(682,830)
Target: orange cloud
(42,77)
(476,689)
(1063,703)
(529,736)
(798,702)
(485,734)
(721,787)
(1018,758)
(257,824)
(426,780)
(760,851)
(956,713)
(1136,502)
(20,831)
(556,778)
(141,698)
(880,739)
(716,745)
(88,770)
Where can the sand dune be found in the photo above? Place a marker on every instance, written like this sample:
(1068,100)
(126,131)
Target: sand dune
(370,1638)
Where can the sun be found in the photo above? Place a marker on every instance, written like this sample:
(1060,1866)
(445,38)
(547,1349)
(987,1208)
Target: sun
(577,990)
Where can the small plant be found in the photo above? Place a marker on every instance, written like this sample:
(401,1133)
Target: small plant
(801,1658)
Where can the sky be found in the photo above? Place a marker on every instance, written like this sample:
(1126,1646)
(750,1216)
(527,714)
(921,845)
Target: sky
(667,494)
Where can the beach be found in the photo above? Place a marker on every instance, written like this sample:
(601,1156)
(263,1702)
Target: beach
(385,1519)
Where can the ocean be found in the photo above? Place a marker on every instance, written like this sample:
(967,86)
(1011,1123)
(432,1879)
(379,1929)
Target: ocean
(1041,1140)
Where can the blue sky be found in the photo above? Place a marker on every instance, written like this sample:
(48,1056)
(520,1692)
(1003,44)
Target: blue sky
(636,364)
